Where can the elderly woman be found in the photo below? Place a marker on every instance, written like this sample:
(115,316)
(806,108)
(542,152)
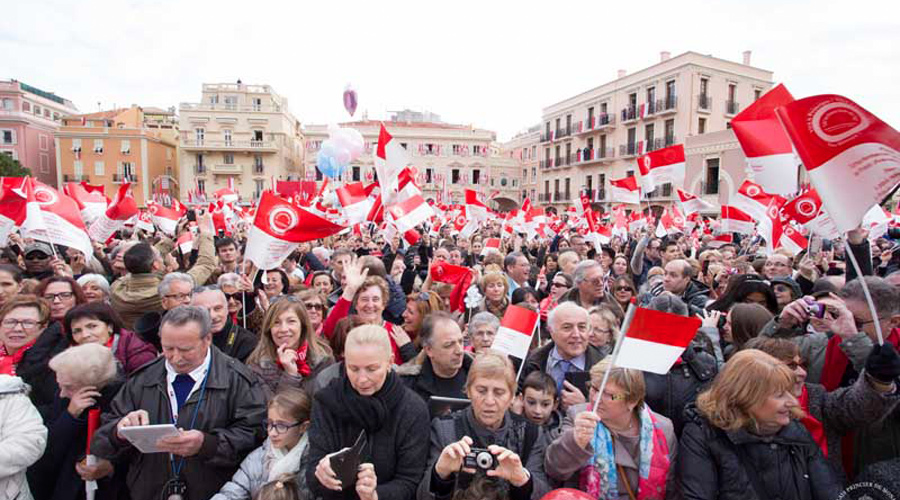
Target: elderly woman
(368,295)
(368,398)
(481,331)
(241,304)
(744,436)
(88,382)
(623,450)
(95,287)
(23,437)
(316,307)
(604,328)
(280,454)
(418,306)
(62,293)
(495,288)
(289,353)
(514,444)
(98,323)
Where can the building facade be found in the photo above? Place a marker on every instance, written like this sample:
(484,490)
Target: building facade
(524,150)
(241,132)
(592,138)
(448,158)
(122,145)
(29,117)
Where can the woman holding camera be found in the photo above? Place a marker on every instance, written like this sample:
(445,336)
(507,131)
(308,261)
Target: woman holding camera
(486,447)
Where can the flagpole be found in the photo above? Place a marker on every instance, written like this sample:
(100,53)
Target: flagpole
(865,288)
(626,323)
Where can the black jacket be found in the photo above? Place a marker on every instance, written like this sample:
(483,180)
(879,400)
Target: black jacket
(537,360)
(230,417)
(424,382)
(789,465)
(398,450)
(33,367)
(235,341)
(671,393)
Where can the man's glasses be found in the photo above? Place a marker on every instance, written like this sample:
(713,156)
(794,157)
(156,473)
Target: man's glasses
(279,427)
(180,297)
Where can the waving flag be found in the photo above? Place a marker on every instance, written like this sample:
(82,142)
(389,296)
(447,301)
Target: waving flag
(122,209)
(734,220)
(752,199)
(164,218)
(806,209)
(661,166)
(766,146)
(13,207)
(852,157)
(90,199)
(491,245)
(460,277)
(516,332)
(354,201)
(625,190)
(226,194)
(655,340)
(474,207)
(390,159)
(410,213)
(692,203)
(793,241)
(55,218)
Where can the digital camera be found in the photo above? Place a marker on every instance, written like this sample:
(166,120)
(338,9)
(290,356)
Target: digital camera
(480,458)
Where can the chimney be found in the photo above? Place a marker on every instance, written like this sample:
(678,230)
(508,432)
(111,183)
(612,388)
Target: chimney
(622,73)
(747,57)
(664,55)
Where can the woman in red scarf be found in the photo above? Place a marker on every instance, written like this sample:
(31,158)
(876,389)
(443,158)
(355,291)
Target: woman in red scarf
(830,415)
(22,320)
(289,353)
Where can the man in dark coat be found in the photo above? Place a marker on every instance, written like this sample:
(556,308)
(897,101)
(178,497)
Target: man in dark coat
(231,339)
(446,366)
(213,398)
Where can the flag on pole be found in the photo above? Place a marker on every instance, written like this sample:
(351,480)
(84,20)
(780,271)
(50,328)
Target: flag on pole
(410,213)
(625,190)
(793,241)
(60,220)
(752,199)
(851,156)
(655,340)
(692,203)
(164,218)
(459,277)
(734,220)
(475,209)
(355,202)
(661,166)
(122,209)
(516,332)
(390,159)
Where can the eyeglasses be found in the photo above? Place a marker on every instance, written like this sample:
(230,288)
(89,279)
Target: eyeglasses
(314,305)
(860,323)
(624,289)
(237,297)
(278,427)
(608,396)
(27,324)
(178,296)
(560,285)
(51,297)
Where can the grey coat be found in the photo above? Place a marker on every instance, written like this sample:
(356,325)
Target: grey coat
(812,348)
(253,475)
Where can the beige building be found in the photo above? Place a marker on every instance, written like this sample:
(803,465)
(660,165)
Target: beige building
(448,158)
(238,131)
(594,137)
(523,149)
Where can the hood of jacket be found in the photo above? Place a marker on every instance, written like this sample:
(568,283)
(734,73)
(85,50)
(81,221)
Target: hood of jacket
(12,385)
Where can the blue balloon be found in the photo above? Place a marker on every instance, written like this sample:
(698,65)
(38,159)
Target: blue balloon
(329,166)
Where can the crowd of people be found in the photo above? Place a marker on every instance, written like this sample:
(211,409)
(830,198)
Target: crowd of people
(325,377)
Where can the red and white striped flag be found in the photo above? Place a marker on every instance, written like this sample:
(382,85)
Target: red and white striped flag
(475,209)
(90,199)
(692,203)
(186,242)
(390,159)
(491,245)
(410,213)
(625,190)
(661,166)
(655,340)
(166,219)
(355,202)
(13,207)
(734,220)
(515,333)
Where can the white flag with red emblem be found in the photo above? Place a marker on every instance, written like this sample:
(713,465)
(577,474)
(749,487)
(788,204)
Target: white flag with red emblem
(752,199)
(661,166)
(164,218)
(278,229)
(54,218)
(793,241)
(122,209)
(475,209)
(765,144)
(735,220)
(144,221)
(692,203)
(852,157)
(670,222)
(410,213)
(806,209)
(515,333)
(625,190)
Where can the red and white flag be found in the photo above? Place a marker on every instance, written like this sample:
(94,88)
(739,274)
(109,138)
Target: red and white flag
(734,220)
(752,199)
(766,146)
(355,202)
(54,218)
(636,221)
(407,187)
(13,207)
(692,203)
(475,209)
(278,229)
(144,222)
(793,241)
(164,218)
(655,340)
(770,224)
(460,277)
(721,239)
(186,242)
(661,166)
(90,199)
(515,333)
(410,213)
(852,157)
(390,159)
(625,190)
(671,221)
(122,209)
(806,209)
(226,194)
(491,245)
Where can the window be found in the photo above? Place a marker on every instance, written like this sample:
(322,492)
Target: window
(589,182)
(45,163)
(568,124)
(567,193)
(601,151)
(78,168)
(568,153)
(26,106)
(476,176)
(76,145)
(524,175)
(99,168)
(257,104)
(757,93)
(670,94)
(55,116)
(547,189)
(556,193)
(454,176)
(732,89)
(701,126)
(98,146)
(46,113)
(199,134)
(8,104)
(590,117)
(651,100)
(547,132)
(557,126)
(258,136)
(231,102)
(214,99)
(648,136)
(229,159)
(670,132)
(704,86)
(533,152)
(356,174)
(258,166)
(227,134)
(429,175)
(711,184)
(601,186)
(201,185)
(503,182)
(632,100)
(632,137)
(558,158)
(126,170)
(9,137)
(259,187)
(126,146)
(37,110)
(201,167)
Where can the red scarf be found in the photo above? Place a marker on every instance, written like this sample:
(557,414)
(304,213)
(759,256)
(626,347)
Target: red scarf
(815,428)
(8,362)
(836,361)
(302,366)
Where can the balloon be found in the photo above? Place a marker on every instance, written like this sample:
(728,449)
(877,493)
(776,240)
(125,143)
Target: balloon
(567,494)
(343,146)
(350,100)
(329,166)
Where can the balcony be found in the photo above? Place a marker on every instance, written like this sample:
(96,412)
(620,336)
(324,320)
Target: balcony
(629,114)
(670,141)
(562,133)
(654,144)
(732,107)
(667,105)
(261,169)
(545,164)
(544,197)
(601,195)
(661,192)
(122,178)
(592,155)
(589,193)
(227,169)
(704,103)
(227,106)
(547,136)
(200,169)
(561,196)
(629,149)
(261,146)
(652,107)
(76,178)
(557,162)
(595,123)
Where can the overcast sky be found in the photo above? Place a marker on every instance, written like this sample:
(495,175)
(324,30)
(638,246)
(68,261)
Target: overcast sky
(494,64)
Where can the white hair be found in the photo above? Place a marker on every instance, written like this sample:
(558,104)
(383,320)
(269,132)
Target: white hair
(88,364)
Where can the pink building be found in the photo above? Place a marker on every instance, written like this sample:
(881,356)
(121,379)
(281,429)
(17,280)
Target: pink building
(28,119)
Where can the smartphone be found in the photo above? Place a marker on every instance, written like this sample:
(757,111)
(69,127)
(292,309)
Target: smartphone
(815,245)
(581,380)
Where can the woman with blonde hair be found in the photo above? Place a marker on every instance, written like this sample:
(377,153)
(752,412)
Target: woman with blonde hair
(623,449)
(495,288)
(289,353)
(744,436)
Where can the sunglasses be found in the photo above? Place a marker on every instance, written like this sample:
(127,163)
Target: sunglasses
(36,256)
(238,296)
(561,285)
(624,289)
(314,305)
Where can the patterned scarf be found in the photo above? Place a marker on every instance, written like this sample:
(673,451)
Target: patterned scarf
(600,479)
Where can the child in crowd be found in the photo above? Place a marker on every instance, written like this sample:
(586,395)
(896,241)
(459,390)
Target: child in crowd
(540,401)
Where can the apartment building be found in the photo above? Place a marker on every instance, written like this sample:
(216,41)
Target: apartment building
(238,131)
(120,145)
(524,150)
(594,137)
(29,117)
(448,158)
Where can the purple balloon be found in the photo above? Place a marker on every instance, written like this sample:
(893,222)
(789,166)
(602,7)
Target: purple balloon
(350,100)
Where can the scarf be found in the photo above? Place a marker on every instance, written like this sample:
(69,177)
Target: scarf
(8,362)
(368,412)
(279,463)
(836,361)
(302,366)
(815,428)
(600,478)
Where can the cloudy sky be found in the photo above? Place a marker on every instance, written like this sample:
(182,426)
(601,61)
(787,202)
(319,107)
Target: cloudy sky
(494,64)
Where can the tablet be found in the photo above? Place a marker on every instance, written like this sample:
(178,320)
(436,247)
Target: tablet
(144,437)
(439,406)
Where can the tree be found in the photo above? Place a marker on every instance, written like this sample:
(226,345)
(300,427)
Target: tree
(12,168)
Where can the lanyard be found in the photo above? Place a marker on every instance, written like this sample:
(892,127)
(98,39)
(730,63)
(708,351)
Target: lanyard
(177,467)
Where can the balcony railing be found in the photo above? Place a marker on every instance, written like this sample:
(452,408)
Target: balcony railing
(203,106)
(629,113)
(544,197)
(628,149)
(557,162)
(709,188)
(120,178)
(563,132)
(669,103)
(227,168)
(670,141)
(652,107)
(732,107)
(595,123)
(588,155)
(200,169)
(76,178)
(547,136)
(228,145)
(704,102)
(654,144)
(560,196)
(545,164)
